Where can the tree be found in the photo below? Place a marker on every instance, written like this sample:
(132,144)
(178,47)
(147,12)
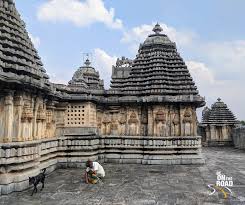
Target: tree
(242,122)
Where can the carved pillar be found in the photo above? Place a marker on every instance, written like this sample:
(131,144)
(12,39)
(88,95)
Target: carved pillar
(26,119)
(50,121)
(194,123)
(150,121)
(35,125)
(8,117)
(212,133)
(60,118)
(182,128)
(18,102)
(207,134)
(225,133)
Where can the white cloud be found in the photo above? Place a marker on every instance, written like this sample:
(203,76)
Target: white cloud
(59,78)
(226,57)
(35,40)
(138,34)
(212,88)
(200,72)
(79,13)
(103,63)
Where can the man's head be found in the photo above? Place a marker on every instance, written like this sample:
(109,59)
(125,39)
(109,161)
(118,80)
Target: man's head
(89,164)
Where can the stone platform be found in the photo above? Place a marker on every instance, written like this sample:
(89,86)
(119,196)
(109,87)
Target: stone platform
(144,184)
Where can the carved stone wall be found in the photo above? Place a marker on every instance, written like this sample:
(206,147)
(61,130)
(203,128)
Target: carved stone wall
(18,161)
(25,117)
(158,120)
(217,135)
(238,136)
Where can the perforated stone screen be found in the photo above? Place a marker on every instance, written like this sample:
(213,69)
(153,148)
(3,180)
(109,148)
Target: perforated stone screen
(79,115)
(75,115)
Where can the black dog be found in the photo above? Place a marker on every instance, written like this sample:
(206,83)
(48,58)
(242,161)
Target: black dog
(35,181)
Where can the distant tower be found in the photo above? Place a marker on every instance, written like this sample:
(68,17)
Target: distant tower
(217,124)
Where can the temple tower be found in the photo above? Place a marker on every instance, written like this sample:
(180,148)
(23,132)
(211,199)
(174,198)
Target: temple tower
(217,124)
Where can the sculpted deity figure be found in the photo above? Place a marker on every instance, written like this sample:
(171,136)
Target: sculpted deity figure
(122,120)
(161,127)
(106,123)
(133,123)
(27,113)
(187,120)
(176,122)
(114,124)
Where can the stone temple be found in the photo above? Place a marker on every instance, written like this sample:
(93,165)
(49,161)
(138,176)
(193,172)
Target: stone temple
(148,116)
(217,124)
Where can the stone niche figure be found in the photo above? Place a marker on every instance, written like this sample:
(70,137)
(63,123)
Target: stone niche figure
(99,124)
(106,124)
(161,128)
(114,125)
(187,120)
(41,117)
(122,120)
(26,119)
(176,122)
(133,123)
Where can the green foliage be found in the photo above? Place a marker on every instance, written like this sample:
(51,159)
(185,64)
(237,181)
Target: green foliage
(242,122)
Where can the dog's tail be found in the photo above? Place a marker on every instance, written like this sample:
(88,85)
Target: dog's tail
(44,170)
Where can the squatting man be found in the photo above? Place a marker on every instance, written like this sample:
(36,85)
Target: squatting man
(94,172)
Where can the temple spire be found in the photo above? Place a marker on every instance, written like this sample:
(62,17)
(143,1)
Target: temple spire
(157,29)
(87,62)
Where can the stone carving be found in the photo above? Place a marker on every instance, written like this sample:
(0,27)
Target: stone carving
(133,124)
(99,122)
(144,117)
(133,118)
(124,62)
(50,119)
(106,118)
(160,116)
(176,122)
(27,113)
(187,120)
(187,116)
(122,117)
(114,124)
(106,123)
(41,114)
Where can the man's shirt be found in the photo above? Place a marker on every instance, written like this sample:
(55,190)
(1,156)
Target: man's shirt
(97,168)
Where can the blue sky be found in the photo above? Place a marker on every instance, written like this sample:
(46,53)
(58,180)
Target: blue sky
(210,36)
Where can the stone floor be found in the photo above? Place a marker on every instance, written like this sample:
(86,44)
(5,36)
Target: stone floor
(144,185)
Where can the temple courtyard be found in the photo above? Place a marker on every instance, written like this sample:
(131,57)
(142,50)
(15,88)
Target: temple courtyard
(145,184)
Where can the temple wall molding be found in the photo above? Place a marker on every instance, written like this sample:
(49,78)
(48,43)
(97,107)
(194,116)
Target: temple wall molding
(21,160)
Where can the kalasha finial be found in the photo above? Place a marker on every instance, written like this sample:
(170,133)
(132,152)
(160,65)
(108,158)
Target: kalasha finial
(157,29)
(219,99)
(87,62)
